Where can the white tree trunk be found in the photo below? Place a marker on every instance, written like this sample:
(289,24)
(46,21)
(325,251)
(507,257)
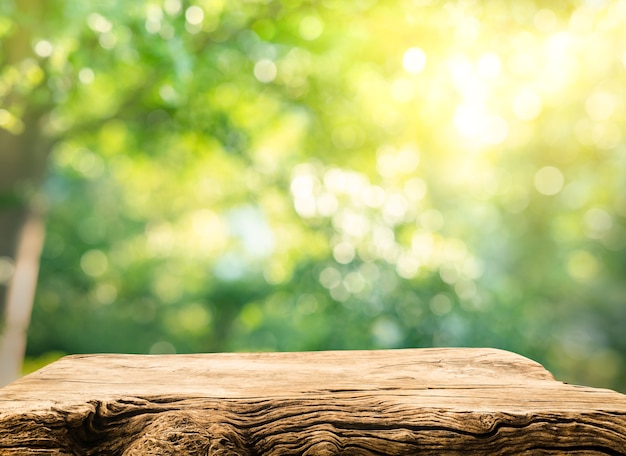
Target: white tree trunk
(20,297)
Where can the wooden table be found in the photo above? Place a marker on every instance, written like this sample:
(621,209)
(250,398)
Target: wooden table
(388,402)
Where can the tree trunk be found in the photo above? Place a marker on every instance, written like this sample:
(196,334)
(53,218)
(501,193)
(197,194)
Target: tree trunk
(20,296)
(393,402)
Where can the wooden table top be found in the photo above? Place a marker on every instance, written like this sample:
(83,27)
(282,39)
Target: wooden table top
(405,401)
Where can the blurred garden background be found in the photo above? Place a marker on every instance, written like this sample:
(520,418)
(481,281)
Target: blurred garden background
(302,175)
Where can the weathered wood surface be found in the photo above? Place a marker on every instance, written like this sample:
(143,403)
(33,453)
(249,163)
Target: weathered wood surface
(390,402)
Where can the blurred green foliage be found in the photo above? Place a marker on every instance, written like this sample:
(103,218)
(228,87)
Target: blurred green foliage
(302,175)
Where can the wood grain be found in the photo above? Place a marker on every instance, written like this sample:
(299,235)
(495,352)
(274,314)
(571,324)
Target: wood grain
(388,402)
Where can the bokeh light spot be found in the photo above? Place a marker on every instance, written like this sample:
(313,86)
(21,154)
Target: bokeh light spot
(172,7)
(330,277)
(162,347)
(489,66)
(600,106)
(545,20)
(414,60)
(10,122)
(343,252)
(311,28)
(415,189)
(168,94)
(154,15)
(431,220)
(387,333)
(581,21)
(44,48)
(402,90)
(408,265)
(440,304)
(194,318)
(606,135)
(99,23)
(527,105)
(106,293)
(94,263)
(86,75)
(549,180)
(327,204)
(598,223)
(354,282)
(582,265)
(265,71)
(374,196)
(5,117)
(408,158)
(194,15)
(467,30)
(395,208)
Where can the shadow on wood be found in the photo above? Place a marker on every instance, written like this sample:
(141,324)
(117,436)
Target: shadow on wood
(388,402)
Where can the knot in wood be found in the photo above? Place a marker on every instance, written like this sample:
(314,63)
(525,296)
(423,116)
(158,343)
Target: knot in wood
(225,440)
(169,433)
(322,449)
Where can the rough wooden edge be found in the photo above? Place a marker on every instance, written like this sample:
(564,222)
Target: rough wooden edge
(388,410)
